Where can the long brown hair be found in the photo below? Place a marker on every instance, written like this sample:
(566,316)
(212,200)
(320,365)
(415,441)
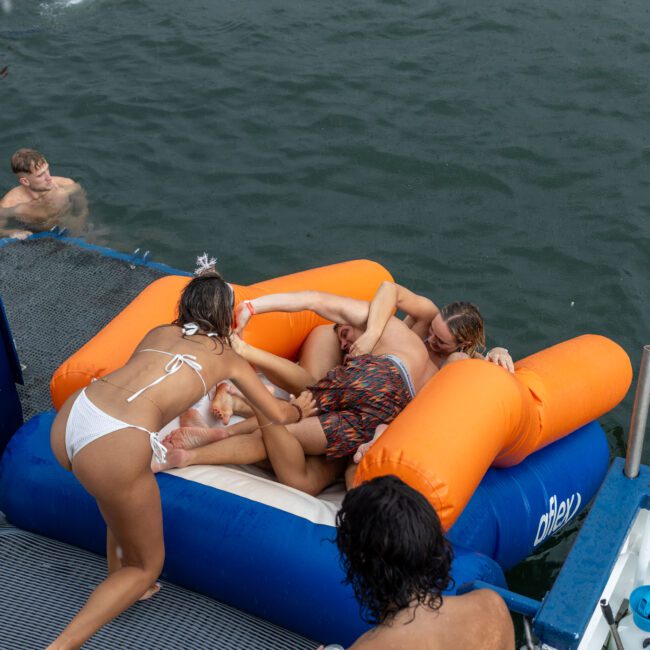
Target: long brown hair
(465,322)
(207,301)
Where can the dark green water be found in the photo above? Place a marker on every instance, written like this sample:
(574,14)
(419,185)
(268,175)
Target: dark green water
(496,152)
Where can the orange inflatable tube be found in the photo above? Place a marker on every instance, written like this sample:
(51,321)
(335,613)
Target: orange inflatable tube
(473,414)
(280,333)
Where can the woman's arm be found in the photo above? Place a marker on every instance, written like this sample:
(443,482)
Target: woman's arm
(251,387)
(280,371)
(420,311)
(338,309)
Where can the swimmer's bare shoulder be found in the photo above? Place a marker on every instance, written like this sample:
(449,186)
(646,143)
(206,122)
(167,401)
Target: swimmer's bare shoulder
(61,181)
(475,621)
(14,196)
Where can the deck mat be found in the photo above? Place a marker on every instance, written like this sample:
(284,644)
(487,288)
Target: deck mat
(43,583)
(58,295)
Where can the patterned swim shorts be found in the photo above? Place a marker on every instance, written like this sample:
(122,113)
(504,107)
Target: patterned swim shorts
(355,398)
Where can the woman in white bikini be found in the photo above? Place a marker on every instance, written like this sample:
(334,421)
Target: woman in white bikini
(99,434)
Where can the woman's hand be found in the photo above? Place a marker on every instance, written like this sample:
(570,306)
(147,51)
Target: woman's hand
(501,357)
(243,314)
(307,404)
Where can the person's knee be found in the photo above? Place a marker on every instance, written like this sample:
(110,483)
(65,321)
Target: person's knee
(150,562)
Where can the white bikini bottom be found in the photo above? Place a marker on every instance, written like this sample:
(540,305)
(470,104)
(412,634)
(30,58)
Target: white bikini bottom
(87,423)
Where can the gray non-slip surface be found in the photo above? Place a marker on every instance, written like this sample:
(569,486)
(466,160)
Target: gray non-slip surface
(57,296)
(43,583)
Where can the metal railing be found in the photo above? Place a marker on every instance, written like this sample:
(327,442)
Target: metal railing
(639,417)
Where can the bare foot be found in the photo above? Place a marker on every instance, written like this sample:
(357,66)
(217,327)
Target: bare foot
(152,591)
(222,406)
(175,458)
(362,450)
(192,418)
(192,437)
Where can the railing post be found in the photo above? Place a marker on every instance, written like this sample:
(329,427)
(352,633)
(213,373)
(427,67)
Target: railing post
(639,417)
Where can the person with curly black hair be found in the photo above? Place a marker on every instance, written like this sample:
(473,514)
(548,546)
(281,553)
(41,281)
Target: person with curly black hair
(397,560)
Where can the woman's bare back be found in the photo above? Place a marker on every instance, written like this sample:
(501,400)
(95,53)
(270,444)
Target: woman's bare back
(190,367)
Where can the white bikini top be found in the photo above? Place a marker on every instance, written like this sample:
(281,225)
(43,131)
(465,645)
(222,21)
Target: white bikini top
(176,362)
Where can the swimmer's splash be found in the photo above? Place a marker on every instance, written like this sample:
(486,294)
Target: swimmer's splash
(6,6)
(56,4)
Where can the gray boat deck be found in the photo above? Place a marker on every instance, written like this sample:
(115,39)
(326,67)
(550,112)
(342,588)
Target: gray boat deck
(58,295)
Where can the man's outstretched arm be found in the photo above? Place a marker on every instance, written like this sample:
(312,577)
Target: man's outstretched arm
(5,215)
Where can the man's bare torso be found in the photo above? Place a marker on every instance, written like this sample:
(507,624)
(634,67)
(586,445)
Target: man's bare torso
(64,205)
(399,340)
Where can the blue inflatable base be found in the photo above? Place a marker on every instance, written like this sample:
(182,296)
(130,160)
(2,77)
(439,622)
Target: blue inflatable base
(259,559)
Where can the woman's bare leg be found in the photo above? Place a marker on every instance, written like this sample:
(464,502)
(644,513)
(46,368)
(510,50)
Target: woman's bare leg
(115,470)
(242,449)
(200,435)
(287,453)
(350,472)
(114,562)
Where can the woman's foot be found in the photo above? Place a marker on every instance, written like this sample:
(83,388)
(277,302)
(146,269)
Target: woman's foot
(175,458)
(222,405)
(228,401)
(152,591)
(362,450)
(192,418)
(192,437)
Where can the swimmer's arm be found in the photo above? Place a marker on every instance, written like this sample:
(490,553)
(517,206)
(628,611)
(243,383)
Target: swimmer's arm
(29,213)
(78,207)
(13,232)
(13,212)
(16,233)
(251,387)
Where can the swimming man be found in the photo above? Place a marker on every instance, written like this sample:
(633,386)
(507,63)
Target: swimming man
(40,201)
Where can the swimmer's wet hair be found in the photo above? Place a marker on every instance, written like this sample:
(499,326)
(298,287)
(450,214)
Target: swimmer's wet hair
(25,161)
(207,301)
(392,547)
(465,322)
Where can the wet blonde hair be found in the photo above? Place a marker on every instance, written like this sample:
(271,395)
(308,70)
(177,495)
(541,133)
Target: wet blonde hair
(465,322)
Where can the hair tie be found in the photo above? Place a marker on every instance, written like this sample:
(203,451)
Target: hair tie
(203,263)
(190,329)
